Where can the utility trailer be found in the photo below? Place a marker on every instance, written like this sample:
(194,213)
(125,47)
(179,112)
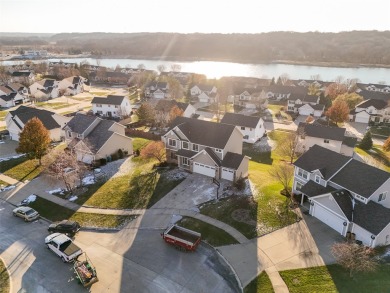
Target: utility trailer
(183,239)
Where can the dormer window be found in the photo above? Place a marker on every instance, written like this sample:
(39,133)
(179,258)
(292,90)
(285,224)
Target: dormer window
(317,179)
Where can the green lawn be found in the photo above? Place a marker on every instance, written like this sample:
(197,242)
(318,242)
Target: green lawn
(334,278)
(261,284)
(85,99)
(276,109)
(139,143)
(7,165)
(25,170)
(210,234)
(54,212)
(376,154)
(3,183)
(3,113)
(52,105)
(4,279)
(380,130)
(268,207)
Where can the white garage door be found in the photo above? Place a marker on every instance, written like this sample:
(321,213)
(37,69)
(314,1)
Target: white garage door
(227,174)
(204,169)
(14,136)
(328,218)
(361,119)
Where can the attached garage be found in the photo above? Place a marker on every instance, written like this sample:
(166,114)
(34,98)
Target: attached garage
(327,217)
(14,135)
(362,117)
(227,174)
(204,169)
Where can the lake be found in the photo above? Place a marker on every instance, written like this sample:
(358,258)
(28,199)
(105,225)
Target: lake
(214,69)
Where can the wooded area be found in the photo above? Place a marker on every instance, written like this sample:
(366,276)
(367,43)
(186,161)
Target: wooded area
(356,47)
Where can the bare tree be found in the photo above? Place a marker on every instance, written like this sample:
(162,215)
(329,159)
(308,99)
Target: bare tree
(315,77)
(175,67)
(141,66)
(283,173)
(175,89)
(284,78)
(291,145)
(354,257)
(161,68)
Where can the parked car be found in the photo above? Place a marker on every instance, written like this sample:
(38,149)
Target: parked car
(26,213)
(63,246)
(65,226)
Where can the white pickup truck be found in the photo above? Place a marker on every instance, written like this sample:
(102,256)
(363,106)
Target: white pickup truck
(63,246)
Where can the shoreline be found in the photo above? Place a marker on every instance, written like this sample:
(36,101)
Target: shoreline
(191,59)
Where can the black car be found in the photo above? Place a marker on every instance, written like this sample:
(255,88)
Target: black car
(65,226)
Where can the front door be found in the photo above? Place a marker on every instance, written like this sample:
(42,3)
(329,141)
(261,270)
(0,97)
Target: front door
(109,114)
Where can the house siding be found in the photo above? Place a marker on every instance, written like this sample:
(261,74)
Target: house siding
(234,144)
(242,170)
(309,141)
(362,234)
(383,238)
(113,144)
(375,196)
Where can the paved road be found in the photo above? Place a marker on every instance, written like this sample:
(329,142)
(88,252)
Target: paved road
(131,260)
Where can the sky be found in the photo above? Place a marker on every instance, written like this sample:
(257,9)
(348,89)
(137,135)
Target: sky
(183,16)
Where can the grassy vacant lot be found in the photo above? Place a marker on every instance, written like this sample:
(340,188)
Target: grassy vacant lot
(377,156)
(210,234)
(268,206)
(52,105)
(261,284)
(55,212)
(334,278)
(4,279)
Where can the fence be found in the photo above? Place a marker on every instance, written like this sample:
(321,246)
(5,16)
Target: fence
(142,134)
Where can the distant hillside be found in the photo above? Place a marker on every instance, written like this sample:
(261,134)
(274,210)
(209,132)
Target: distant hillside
(356,47)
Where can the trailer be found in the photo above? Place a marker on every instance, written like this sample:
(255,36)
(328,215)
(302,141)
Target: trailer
(85,271)
(181,238)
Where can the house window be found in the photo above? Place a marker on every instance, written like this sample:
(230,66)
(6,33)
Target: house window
(185,161)
(303,174)
(195,147)
(317,179)
(172,142)
(184,145)
(116,106)
(99,105)
(382,196)
(173,156)
(298,185)
(99,112)
(69,133)
(326,140)
(246,137)
(242,127)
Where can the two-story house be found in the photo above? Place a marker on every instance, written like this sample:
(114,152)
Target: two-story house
(45,89)
(346,194)
(93,138)
(26,77)
(252,127)
(164,107)
(371,110)
(305,105)
(72,85)
(15,121)
(111,106)
(332,138)
(250,98)
(157,90)
(208,148)
(205,93)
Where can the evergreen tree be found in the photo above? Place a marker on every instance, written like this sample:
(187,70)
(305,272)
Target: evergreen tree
(366,142)
(34,140)
(279,82)
(272,81)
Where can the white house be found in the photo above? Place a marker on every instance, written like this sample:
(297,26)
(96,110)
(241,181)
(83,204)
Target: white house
(208,148)
(208,97)
(45,89)
(305,105)
(157,90)
(15,121)
(371,110)
(72,85)
(332,138)
(250,98)
(25,77)
(313,110)
(346,194)
(111,106)
(251,127)
(13,94)
(93,138)
(197,89)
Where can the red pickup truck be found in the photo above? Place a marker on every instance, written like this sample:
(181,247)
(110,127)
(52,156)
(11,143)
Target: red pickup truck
(183,239)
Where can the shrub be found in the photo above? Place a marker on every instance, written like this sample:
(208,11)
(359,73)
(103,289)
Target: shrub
(103,161)
(240,183)
(114,157)
(366,143)
(120,154)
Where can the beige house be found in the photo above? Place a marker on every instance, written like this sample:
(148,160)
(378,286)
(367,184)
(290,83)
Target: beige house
(332,138)
(208,148)
(15,121)
(93,138)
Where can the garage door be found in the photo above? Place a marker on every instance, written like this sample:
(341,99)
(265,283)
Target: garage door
(14,136)
(328,218)
(227,174)
(204,169)
(361,119)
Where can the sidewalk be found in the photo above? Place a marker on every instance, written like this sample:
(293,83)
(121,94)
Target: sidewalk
(7,179)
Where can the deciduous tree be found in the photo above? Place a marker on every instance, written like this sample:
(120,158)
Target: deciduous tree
(34,139)
(175,67)
(354,257)
(154,149)
(145,113)
(386,145)
(283,173)
(335,89)
(175,112)
(338,112)
(309,119)
(175,90)
(352,99)
(290,146)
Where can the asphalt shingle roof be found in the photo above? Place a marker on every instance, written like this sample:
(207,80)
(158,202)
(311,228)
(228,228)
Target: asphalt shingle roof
(322,131)
(319,158)
(377,104)
(110,100)
(360,178)
(205,133)
(240,120)
(311,188)
(99,135)
(79,123)
(232,160)
(26,113)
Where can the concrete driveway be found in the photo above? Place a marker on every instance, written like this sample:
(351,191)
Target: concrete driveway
(131,260)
